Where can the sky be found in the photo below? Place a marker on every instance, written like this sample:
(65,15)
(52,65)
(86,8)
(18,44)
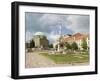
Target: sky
(51,24)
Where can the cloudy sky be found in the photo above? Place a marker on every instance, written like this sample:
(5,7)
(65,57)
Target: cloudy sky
(50,24)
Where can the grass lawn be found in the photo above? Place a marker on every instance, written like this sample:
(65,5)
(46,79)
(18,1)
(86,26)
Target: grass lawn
(69,58)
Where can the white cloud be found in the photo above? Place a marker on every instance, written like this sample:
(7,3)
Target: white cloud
(29,36)
(53,37)
(49,19)
(49,24)
(78,23)
(52,20)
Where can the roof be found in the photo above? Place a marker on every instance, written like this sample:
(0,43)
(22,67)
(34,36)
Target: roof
(39,33)
(76,37)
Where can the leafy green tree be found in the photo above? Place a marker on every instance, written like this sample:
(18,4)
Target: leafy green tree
(74,46)
(84,44)
(67,45)
(51,46)
(32,44)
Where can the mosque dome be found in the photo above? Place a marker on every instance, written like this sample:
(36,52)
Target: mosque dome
(39,33)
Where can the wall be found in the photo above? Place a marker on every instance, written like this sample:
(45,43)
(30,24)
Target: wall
(5,40)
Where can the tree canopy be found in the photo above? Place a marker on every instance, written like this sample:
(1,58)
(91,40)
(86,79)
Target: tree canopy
(84,44)
(67,45)
(74,46)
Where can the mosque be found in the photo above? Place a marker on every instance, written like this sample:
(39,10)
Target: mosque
(40,40)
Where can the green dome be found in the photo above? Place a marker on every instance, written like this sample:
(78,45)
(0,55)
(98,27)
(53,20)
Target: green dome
(39,33)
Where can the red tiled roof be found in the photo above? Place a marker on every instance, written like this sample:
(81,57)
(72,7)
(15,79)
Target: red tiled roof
(75,37)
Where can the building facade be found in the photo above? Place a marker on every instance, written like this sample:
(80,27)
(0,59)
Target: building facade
(40,40)
(77,38)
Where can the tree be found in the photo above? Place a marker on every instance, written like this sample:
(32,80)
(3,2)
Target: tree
(74,46)
(51,46)
(32,44)
(56,46)
(67,45)
(84,44)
